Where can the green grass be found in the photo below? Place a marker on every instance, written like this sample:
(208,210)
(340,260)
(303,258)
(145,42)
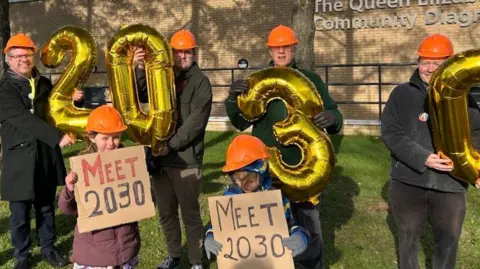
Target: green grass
(357,226)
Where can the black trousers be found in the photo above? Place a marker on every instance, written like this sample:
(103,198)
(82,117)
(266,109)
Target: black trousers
(44,216)
(20,226)
(307,215)
(411,207)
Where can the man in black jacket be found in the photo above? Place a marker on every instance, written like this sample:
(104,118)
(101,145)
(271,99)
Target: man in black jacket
(32,161)
(177,180)
(421,187)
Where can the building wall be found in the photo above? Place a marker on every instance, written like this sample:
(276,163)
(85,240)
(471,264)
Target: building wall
(227,30)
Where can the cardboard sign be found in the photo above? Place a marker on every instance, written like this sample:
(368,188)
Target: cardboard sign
(113,188)
(250,227)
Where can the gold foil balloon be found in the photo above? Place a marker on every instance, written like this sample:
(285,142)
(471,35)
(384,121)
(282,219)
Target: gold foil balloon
(159,125)
(304,181)
(62,113)
(447,97)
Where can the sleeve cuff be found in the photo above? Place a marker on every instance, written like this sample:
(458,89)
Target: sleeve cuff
(169,146)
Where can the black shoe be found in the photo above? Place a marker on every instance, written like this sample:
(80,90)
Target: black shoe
(21,264)
(54,258)
(169,263)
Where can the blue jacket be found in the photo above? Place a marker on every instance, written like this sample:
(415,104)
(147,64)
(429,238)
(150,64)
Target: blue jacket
(261,167)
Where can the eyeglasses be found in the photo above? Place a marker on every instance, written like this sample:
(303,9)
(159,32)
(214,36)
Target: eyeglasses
(433,64)
(187,53)
(21,56)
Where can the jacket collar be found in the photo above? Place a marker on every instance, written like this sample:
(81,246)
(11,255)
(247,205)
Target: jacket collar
(22,79)
(194,69)
(293,64)
(417,82)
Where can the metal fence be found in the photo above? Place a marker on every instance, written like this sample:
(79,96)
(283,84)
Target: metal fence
(94,95)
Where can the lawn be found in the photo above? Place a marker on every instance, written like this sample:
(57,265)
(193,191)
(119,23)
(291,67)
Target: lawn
(357,227)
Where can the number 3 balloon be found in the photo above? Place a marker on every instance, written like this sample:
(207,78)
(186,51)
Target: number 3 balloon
(307,179)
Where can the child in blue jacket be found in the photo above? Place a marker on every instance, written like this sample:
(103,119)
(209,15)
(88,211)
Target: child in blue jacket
(247,167)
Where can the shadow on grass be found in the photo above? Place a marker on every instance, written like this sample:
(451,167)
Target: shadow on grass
(426,239)
(5,256)
(5,225)
(214,172)
(337,142)
(219,138)
(336,210)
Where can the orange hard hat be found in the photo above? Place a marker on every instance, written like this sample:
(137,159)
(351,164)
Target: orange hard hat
(105,119)
(436,46)
(244,150)
(20,41)
(282,36)
(183,40)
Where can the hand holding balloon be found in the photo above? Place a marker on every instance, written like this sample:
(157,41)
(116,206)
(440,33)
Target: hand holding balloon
(139,57)
(77,95)
(436,162)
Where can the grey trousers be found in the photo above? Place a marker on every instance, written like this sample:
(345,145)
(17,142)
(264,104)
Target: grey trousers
(411,207)
(174,188)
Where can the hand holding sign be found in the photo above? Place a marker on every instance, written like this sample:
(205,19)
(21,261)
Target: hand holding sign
(113,188)
(248,230)
(212,246)
(297,243)
(71,180)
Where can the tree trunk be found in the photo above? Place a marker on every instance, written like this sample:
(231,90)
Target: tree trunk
(4,31)
(303,25)
(4,36)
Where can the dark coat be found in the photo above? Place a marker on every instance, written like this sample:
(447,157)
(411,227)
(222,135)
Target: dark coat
(32,160)
(194,104)
(409,139)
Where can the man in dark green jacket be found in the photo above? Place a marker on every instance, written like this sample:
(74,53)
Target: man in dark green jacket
(281,43)
(177,179)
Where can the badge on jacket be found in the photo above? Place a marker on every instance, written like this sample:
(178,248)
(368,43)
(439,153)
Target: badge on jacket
(423,117)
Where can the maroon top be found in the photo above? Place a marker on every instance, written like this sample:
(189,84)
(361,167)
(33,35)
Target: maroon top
(107,247)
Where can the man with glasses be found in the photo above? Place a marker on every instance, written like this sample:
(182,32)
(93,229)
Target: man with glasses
(177,180)
(281,43)
(33,165)
(420,186)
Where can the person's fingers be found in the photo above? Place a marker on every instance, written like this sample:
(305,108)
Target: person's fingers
(216,244)
(288,243)
(442,167)
(321,121)
(442,161)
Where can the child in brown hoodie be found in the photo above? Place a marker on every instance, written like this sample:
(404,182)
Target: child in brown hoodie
(110,248)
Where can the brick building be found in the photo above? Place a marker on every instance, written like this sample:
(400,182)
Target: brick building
(351,32)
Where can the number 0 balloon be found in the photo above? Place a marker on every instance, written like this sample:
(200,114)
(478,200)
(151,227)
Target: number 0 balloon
(447,96)
(155,128)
